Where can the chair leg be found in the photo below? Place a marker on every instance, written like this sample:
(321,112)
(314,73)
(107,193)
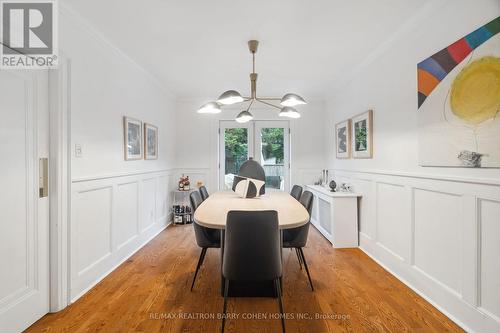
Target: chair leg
(298,257)
(277,287)
(307,269)
(200,262)
(226,289)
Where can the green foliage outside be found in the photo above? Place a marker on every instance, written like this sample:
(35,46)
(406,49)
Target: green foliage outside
(272,144)
(237,146)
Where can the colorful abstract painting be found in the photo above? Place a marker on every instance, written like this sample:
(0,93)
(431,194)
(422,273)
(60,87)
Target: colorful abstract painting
(459,102)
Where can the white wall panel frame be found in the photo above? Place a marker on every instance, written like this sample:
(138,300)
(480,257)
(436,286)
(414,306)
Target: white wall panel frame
(157,194)
(462,305)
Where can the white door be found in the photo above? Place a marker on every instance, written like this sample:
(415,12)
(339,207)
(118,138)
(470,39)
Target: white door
(24,216)
(268,142)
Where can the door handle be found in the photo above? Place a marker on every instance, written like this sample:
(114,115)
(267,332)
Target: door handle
(43,177)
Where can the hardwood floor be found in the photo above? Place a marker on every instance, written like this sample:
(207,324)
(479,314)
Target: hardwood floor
(150,293)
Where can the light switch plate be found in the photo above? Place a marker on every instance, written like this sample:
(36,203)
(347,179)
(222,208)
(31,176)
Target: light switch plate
(78,150)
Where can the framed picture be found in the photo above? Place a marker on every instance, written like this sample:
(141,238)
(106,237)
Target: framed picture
(150,142)
(362,135)
(343,139)
(132,132)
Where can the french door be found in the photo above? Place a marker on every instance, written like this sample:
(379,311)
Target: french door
(24,205)
(267,142)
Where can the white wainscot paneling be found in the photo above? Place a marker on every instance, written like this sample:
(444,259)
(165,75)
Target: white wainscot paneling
(441,237)
(489,220)
(438,237)
(127,217)
(92,227)
(113,217)
(163,203)
(366,221)
(148,203)
(392,222)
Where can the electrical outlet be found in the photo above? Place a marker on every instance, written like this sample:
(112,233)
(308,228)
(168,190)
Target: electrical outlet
(78,150)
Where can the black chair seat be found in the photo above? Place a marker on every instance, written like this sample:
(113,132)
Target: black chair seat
(297,237)
(205,237)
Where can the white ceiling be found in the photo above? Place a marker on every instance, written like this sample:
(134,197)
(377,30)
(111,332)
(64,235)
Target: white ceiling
(198,47)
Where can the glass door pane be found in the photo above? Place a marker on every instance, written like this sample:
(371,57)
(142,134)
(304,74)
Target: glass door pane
(272,142)
(268,142)
(236,143)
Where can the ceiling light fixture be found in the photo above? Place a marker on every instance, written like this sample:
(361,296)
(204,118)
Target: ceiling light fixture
(232,97)
(289,112)
(292,100)
(244,117)
(210,107)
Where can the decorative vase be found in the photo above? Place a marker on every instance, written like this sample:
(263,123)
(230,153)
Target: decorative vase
(333,185)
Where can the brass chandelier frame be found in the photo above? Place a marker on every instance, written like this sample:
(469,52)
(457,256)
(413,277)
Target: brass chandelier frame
(232,97)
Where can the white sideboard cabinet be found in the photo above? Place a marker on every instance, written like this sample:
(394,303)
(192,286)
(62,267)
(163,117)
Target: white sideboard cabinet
(335,215)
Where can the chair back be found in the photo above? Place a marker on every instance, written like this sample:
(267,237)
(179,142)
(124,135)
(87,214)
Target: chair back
(252,249)
(296,192)
(203,193)
(306,199)
(205,237)
(297,237)
(196,200)
(253,169)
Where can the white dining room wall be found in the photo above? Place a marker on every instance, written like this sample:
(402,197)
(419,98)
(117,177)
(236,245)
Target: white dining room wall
(197,140)
(117,206)
(436,229)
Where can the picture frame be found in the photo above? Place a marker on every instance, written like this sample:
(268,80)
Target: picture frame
(132,139)
(343,139)
(150,142)
(362,135)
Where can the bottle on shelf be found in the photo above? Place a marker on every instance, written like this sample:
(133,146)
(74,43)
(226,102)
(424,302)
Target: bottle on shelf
(187,184)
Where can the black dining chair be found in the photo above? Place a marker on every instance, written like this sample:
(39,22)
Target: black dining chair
(203,193)
(296,192)
(252,252)
(205,237)
(297,237)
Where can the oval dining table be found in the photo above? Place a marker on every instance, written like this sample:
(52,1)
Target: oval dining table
(212,213)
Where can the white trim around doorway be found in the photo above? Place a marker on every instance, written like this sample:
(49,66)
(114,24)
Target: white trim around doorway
(59,186)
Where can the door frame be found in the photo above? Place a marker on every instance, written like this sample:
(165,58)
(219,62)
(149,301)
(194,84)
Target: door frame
(252,128)
(59,183)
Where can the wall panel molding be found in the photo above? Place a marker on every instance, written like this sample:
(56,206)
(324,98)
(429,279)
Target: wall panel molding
(453,234)
(429,176)
(139,207)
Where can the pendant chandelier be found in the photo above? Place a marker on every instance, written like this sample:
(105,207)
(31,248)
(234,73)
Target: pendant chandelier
(287,102)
